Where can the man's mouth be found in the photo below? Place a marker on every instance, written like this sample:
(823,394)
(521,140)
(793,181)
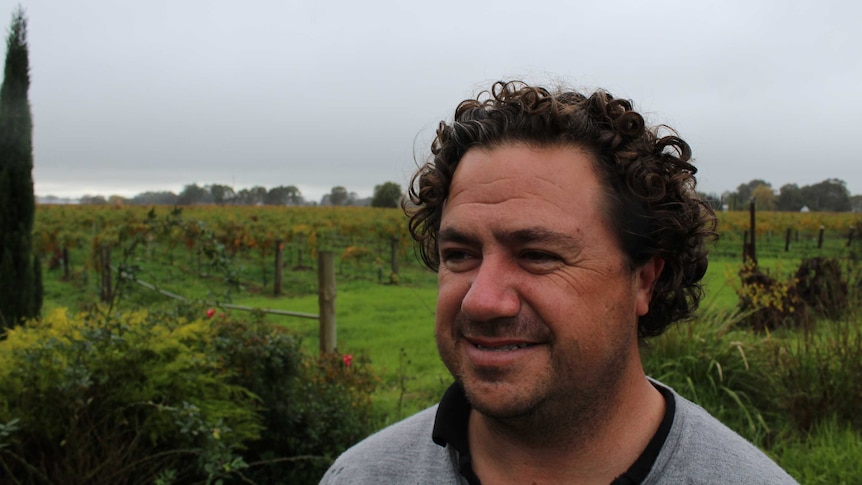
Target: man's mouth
(502,348)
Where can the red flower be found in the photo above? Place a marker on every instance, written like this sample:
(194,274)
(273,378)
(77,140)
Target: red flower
(347,359)
(211,312)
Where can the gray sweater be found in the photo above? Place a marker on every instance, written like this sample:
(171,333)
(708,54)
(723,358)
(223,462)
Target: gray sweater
(698,450)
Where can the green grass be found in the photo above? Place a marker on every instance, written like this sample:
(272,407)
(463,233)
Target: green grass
(830,454)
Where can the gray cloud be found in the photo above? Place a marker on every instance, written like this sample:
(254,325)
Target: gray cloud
(133,96)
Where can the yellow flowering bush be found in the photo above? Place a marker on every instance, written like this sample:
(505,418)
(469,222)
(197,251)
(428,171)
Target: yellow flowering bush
(120,399)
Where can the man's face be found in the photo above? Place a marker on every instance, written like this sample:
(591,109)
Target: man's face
(537,307)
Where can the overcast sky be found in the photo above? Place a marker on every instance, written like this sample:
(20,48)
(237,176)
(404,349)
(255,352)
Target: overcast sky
(132,96)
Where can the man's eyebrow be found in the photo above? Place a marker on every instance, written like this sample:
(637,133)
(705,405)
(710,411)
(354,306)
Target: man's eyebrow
(520,236)
(452,235)
(538,235)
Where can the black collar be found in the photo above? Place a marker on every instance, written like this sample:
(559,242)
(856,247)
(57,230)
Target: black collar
(453,414)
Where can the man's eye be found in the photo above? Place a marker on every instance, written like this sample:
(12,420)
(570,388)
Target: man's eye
(539,256)
(455,256)
(540,259)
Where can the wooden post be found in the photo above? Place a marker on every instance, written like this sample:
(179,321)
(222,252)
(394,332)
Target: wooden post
(300,246)
(67,273)
(107,293)
(820,237)
(393,259)
(279,267)
(326,300)
(752,246)
(787,240)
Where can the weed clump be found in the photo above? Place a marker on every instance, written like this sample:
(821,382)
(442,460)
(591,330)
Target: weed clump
(816,289)
(767,303)
(819,284)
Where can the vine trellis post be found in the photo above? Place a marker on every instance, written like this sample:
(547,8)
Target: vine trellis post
(748,245)
(326,300)
(326,295)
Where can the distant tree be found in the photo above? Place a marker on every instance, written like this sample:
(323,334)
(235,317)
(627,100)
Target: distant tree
(253,196)
(194,194)
(728,199)
(282,195)
(20,286)
(789,198)
(338,196)
(830,195)
(714,200)
(745,191)
(221,194)
(856,203)
(294,195)
(764,198)
(155,198)
(739,199)
(93,200)
(388,194)
(117,200)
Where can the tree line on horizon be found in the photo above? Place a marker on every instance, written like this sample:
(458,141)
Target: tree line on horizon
(830,195)
(387,194)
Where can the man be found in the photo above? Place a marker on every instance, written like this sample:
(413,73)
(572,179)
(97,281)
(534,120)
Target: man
(562,231)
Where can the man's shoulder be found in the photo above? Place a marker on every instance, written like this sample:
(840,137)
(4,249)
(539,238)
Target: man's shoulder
(400,453)
(700,449)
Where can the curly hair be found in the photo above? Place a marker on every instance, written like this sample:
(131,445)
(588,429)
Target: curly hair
(648,180)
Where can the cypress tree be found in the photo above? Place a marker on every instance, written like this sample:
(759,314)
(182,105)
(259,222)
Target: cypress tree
(19,296)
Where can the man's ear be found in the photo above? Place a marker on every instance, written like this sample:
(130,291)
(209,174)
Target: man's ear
(647,275)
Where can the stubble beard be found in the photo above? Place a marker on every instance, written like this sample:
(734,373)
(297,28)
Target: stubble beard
(559,402)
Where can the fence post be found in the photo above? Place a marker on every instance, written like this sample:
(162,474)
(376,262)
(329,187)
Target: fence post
(752,246)
(787,240)
(820,237)
(67,273)
(279,267)
(107,293)
(393,259)
(326,300)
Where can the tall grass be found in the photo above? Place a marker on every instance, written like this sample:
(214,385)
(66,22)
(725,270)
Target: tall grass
(831,453)
(712,363)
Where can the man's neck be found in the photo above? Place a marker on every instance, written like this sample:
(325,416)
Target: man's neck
(592,448)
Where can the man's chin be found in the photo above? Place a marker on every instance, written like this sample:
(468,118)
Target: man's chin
(499,400)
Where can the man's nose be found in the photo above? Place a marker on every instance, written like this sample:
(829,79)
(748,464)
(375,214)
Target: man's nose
(492,293)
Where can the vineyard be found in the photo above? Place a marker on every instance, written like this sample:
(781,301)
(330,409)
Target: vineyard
(218,255)
(369,244)
(156,243)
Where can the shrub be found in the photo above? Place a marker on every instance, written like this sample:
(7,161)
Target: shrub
(147,397)
(312,408)
(126,399)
